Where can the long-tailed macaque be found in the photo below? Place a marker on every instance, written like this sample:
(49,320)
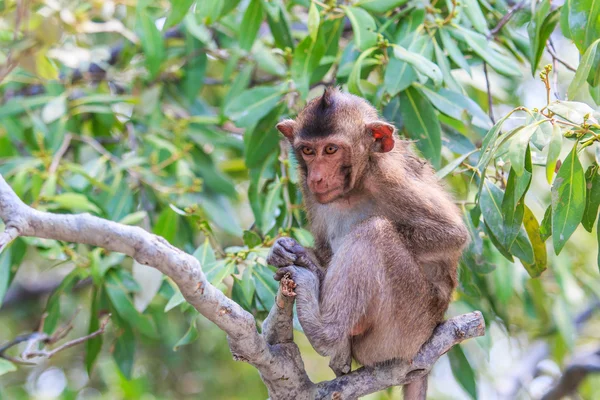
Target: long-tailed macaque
(388,238)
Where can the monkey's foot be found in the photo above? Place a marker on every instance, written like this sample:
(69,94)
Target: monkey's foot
(287,285)
(340,363)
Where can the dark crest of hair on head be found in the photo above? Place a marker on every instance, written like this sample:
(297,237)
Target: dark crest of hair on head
(319,116)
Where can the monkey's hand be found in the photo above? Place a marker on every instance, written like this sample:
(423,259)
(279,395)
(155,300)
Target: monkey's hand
(286,251)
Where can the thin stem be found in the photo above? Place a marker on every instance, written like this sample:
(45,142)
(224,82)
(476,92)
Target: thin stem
(495,31)
(489,93)
(552,50)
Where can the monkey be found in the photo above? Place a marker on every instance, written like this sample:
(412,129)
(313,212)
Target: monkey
(387,237)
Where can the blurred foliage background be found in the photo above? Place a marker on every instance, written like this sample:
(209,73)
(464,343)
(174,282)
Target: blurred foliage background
(162,114)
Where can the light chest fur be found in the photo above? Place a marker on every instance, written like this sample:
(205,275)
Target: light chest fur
(341,218)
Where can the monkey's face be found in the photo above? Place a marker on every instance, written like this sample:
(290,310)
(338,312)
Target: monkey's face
(328,167)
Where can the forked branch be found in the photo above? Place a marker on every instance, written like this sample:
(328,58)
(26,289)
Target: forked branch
(273,352)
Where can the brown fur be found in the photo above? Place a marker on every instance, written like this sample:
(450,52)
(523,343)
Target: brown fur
(387,239)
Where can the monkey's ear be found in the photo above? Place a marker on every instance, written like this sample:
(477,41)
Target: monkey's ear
(383,133)
(287,128)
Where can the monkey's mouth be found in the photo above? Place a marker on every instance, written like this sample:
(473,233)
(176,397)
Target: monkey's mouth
(329,195)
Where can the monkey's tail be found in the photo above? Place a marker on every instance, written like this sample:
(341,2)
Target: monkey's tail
(416,390)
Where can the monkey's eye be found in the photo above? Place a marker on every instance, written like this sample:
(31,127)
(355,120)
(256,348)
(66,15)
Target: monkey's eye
(308,151)
(330,149)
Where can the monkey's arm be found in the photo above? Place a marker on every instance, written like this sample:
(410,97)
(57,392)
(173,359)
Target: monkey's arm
(429,219)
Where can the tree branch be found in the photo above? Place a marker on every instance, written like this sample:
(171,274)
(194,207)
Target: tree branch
(496,30)
(574,374)
(273,352)
(369,380)
(527,366)
(552,50)
(34,339)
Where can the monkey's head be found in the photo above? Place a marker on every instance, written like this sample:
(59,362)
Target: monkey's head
(334,137)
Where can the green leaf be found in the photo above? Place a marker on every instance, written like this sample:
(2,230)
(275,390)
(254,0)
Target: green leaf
(124,350)
(354,81)
(179,9)
(263,140)
(314,20)
(6,367)
(444,64)
(266,286)
(152,44)
(117,293)
(457,106)
(75,202)
(573,111)
(532,228)
(190,336)
(553,152)
(583,21)
(564,19)
(451,166)
(462,370)
(518,146)
(219,271)
(453,51)
(195,68)
(6,274)
(546,227)
(583,69)
(174,301)
(250,24)
(53,305)
(271,206)
(93,345)
(205,254)
(307,57)
(303,236)
(280,29)
(419,63)
(363,26)
(481,46)
(592,185)
(540,28)
(422,124)
(473,11)
(380,6)
(251,239)
(167,225)
(252,105)
(490,201)
(568,200)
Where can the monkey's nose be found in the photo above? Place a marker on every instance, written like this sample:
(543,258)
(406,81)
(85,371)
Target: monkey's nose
(317,181)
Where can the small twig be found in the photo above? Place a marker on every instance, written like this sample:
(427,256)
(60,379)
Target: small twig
(489,93)
(60,153)
(74,342)
(552,50)
(496,30)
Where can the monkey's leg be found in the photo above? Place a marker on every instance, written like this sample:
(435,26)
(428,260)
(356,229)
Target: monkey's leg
(416,390)
(326,340)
